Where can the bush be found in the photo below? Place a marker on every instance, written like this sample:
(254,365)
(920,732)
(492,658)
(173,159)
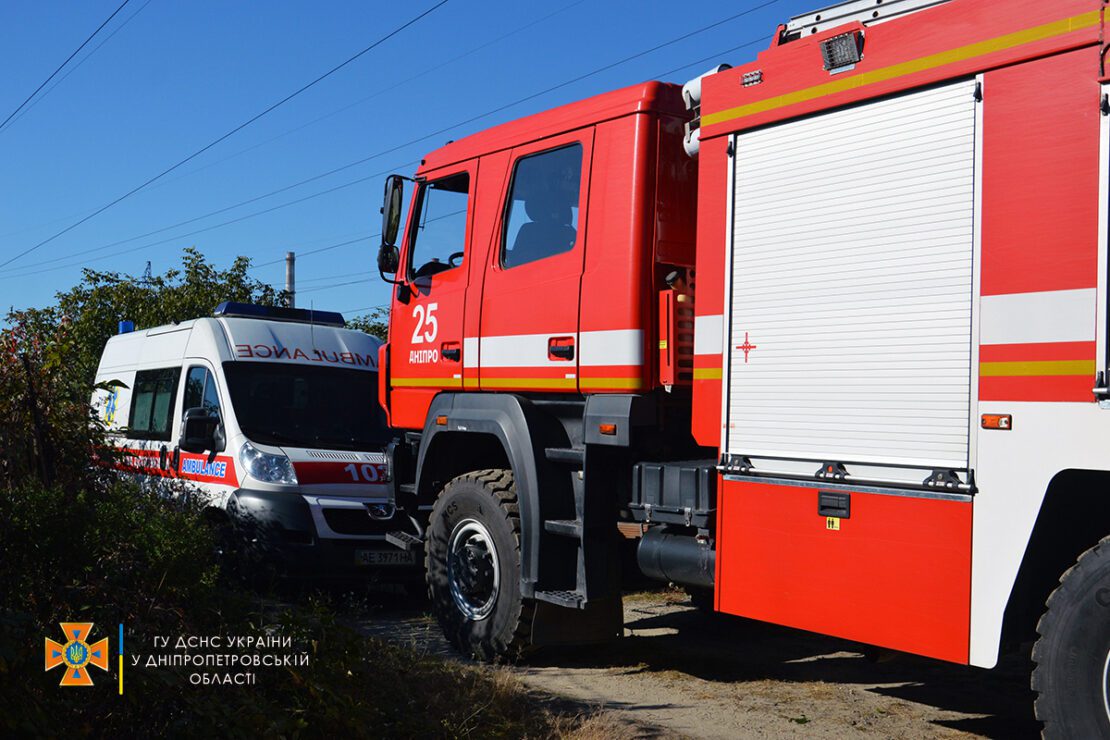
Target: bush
(81,545)
(127,555)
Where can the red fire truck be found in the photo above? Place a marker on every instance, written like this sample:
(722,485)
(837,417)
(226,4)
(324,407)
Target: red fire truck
(826,332)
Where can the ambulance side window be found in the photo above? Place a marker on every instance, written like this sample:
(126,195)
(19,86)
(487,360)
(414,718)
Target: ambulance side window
(152,403)
(200,390)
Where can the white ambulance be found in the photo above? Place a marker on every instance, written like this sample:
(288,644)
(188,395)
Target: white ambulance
(273,415)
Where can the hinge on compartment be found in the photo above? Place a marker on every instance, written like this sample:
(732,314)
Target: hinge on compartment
(946,479)
(735,464)
(1102,390)
(831,471)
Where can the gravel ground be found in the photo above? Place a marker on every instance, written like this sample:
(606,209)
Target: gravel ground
(679,672)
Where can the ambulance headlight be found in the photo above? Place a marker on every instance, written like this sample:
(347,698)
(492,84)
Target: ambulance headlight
(266,467)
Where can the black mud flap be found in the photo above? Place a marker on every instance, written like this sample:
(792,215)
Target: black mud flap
(600,620)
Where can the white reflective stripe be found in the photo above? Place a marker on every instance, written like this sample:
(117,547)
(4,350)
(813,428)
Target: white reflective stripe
(470,352)
(612,347)
(1049,316)
(708,333)
(594,348)
(520,350)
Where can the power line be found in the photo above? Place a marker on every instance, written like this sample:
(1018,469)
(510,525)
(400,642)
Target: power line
(383,91)
(230,133)
(77,66)
(216,212)
(302,281)
(364,308)
(205,229)
(253,147)
(337,285)
(317,251)
(411,142)
(711,57)
(63,64)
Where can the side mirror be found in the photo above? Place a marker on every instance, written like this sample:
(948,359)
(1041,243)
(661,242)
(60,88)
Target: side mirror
(391,210)
(200,431)
(389,259)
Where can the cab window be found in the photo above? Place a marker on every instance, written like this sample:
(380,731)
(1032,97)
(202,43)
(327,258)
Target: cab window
(437,239)
(541,217)
(152,403)
(200,391)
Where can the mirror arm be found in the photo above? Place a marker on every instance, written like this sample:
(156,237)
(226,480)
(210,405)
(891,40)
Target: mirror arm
(393,280)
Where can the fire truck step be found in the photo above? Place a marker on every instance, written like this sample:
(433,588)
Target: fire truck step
(569,456)
(404,541)
(568,599)
(564,527)
(409,488)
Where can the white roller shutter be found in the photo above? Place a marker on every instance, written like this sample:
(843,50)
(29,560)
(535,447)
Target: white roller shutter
(851,284)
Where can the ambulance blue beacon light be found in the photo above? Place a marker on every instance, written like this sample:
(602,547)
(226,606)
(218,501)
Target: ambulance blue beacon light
(279,313)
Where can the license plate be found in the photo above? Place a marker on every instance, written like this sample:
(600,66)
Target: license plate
(384,557)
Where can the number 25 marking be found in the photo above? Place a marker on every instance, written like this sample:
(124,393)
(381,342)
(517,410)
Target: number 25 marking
(427,325)
(367,472)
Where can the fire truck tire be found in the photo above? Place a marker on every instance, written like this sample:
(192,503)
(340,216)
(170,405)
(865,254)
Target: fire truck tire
(1072,655)
(472,564)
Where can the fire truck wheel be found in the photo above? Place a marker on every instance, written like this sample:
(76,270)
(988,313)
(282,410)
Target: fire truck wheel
(473,566)
(1072,656)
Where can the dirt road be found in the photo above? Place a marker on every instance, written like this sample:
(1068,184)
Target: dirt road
(679,672)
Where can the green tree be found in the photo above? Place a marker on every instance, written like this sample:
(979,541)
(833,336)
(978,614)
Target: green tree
(48,359)
(94,308)
(375,323)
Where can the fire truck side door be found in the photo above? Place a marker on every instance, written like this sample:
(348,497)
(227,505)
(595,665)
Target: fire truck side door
(529,321)
(426,328)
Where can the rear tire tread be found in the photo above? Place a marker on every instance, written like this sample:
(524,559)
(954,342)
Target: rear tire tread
(1048,627)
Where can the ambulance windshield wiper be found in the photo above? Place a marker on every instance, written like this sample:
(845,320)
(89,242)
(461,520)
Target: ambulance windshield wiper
(277,437)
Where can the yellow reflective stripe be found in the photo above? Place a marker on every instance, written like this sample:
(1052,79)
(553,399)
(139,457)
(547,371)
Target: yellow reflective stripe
(707,373)
(426,382)
(1036,367)
(962,53)
(562,383)
(629,383)
(529,383)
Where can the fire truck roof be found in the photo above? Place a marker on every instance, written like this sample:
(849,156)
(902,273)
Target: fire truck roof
(659,97)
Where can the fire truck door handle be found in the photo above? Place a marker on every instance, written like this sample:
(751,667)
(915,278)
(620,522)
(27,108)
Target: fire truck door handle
(162,454)
(451,351)
(560,348)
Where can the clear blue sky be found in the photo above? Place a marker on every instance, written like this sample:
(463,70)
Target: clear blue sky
(176,75)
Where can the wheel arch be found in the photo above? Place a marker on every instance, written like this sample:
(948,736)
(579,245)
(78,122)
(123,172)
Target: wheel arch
(487,430)
(1074,516)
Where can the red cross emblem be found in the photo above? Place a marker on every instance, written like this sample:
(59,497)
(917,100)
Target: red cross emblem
(747,347)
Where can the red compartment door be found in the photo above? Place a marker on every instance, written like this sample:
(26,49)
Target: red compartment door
(897,572)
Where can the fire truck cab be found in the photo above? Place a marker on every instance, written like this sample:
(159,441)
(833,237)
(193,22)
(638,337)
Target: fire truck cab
(844,365)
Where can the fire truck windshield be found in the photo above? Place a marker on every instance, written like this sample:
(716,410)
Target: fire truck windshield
(307,406)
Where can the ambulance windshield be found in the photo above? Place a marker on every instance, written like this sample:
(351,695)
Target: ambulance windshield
(307,406)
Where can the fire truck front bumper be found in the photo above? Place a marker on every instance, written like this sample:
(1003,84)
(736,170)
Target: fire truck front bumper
(322,538)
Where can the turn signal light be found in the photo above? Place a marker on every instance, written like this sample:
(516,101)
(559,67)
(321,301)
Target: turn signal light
(998,421)
(610,429)
(441,421)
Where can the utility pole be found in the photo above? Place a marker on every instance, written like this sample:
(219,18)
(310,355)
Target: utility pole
(290,279)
